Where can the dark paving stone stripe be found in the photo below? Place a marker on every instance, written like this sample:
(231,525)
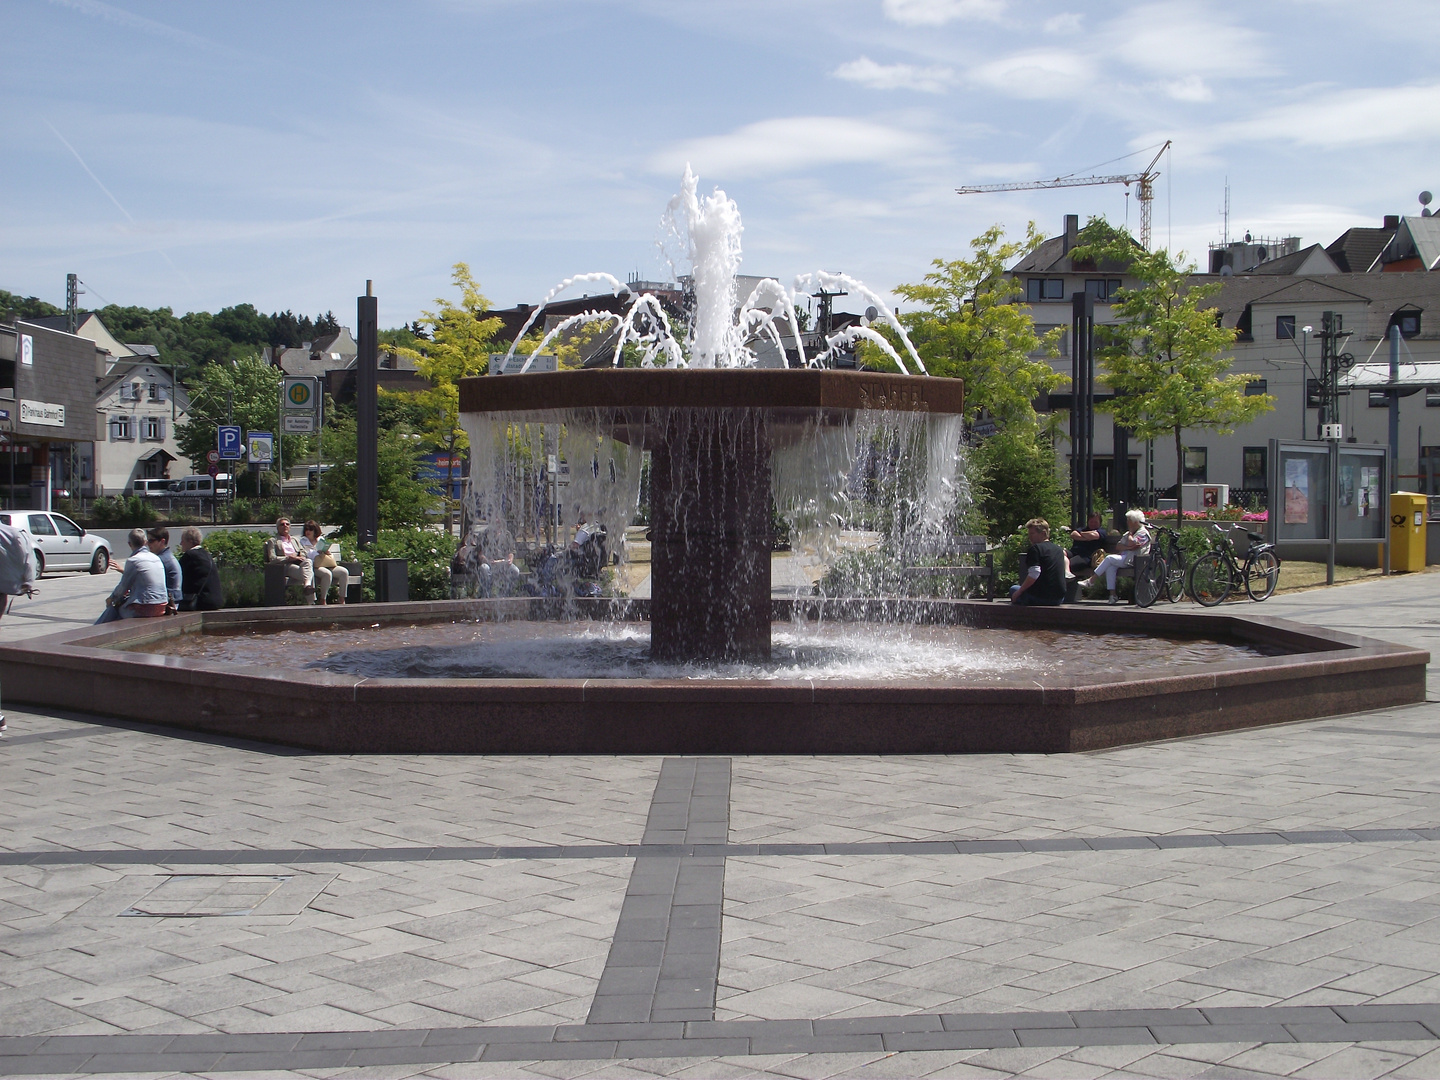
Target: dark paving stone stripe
(714,1038)
(664,961)
(708,850)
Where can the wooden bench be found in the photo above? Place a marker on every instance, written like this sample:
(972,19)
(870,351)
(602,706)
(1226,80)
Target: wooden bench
(975,548)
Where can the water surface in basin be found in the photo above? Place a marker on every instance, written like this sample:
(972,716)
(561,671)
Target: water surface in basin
(585,650)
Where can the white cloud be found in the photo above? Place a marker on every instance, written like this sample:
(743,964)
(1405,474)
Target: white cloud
(1066,23)
(1040,73)
(786,144)
(1178,39)
(1341,119)
(119,17)
(1190,88)
(866,72)
(940,12)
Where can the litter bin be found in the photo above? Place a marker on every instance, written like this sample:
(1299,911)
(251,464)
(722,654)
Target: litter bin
(1407,531)
(392,580)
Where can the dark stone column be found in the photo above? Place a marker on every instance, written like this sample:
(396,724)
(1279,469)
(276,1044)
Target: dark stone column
(710,537)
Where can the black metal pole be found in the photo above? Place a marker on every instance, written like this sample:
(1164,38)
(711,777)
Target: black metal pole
(1120,486)
(367,463)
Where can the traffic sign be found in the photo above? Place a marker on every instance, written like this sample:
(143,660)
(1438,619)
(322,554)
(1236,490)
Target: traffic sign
(298,393)
(213,456)
(214,468)
(260,447)
(298,423)
(229,442)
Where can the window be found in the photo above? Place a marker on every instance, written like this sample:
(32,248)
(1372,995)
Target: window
(40,525)
(1312,393)
(1257,387)
(1408,321)
(67,527)
(1196,465)
(1037,289)
(157,392)
(1432,397)
(1379,399)
(1285,327)
(152,429)
(1102,288)
(1254,471)
(120,429)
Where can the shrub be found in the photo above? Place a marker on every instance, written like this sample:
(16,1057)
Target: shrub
(236,548)
(862,573)
(427,555)
(116,510)
(244,586)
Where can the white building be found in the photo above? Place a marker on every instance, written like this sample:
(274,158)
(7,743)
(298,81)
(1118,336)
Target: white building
(1275,294)
(138,404)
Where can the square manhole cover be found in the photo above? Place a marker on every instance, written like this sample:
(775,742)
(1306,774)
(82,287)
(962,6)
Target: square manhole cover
(192,896)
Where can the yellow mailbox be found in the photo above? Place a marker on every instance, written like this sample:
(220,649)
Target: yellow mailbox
(1407,531)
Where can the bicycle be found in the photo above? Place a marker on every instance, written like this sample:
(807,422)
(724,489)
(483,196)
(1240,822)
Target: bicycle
(1217,573)
(1166,571)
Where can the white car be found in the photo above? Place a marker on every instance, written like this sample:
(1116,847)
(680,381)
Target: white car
(60,544)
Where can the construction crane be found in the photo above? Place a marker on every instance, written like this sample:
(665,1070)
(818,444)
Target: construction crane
(1145,181)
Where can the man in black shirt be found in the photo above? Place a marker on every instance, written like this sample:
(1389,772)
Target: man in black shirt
(199,580)
(1083,546)
(1044,581)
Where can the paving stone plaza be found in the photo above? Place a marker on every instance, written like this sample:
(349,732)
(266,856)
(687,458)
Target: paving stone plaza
(1263,903)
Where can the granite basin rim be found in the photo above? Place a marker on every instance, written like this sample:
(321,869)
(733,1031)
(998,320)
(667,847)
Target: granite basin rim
(1326,673)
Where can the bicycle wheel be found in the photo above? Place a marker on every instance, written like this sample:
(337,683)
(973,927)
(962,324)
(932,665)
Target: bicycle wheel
(1210,581)
(1175,577)
(1149,581)
(1262,574)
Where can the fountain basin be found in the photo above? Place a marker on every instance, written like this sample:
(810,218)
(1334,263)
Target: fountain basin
(1319,673)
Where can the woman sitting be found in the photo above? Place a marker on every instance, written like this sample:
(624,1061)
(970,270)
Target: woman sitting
(324,559)
(1136,541)
(299,570)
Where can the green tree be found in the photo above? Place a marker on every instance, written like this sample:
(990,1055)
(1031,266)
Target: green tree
(14,307)
(1166,355)
(253,388)
(404,501)
(461,341)
(969,326)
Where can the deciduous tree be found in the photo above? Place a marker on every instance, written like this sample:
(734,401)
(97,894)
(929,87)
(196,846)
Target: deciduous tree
(1166,355)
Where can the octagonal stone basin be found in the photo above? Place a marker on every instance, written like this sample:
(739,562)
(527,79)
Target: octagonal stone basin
(1310,673)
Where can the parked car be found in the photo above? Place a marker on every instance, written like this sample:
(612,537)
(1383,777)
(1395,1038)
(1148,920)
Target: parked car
(60,544)
(148,488)
(201,486)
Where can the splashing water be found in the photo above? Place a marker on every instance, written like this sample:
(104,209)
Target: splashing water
(700,236)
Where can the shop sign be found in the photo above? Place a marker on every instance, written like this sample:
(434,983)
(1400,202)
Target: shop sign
(42,412)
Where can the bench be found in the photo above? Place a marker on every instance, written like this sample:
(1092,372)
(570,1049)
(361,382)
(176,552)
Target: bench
(277,587)
(975,548)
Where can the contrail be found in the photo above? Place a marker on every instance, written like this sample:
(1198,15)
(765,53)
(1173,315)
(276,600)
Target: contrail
(111,195)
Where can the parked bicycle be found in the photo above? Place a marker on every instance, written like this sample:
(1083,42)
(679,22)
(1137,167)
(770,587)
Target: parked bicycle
(1165,573)
(1217,573)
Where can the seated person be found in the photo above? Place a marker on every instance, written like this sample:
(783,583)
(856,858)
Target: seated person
(158,541)
(141,592)
(199,580)
(283,547)
(495,560)
(586,553)
(1044,581)
(1136,541)
(1084,543)
(325,565)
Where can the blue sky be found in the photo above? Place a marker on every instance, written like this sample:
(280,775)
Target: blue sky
(204,154)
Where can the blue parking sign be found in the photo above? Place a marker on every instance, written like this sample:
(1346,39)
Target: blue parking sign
(229,442)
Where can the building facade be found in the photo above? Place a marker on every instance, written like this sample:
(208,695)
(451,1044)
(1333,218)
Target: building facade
(47,415)
(138,404)
(1275,294)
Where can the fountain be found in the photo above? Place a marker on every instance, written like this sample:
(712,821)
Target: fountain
(725,438)
(720,432)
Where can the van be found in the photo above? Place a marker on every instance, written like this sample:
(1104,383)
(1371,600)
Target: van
(149,488)
(201,486)
(303,478)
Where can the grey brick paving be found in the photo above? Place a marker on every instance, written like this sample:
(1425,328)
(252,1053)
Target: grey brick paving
(1257,904)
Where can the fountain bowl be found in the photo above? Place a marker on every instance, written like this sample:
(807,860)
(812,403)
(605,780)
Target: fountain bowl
(1318,673)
